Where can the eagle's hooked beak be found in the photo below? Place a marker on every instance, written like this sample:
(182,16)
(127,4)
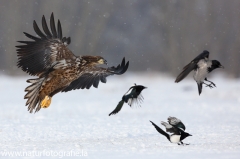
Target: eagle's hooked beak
(222,66)
(102,61)
(105,62)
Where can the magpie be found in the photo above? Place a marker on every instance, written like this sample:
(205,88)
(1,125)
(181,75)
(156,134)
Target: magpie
(132,96)
(176,127)
(202,66)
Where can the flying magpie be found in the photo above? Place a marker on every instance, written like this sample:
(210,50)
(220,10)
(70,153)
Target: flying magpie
(132,96)
(202,66)
(176,127)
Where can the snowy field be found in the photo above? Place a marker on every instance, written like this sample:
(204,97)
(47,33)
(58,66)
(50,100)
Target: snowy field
(77,123)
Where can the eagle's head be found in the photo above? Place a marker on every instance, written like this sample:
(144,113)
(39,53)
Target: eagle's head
(101,60)
(95,60)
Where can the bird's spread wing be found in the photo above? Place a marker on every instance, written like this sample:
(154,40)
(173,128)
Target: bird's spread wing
(170,128)
(131,90)
(45,51)
(203,55)
(133,97)
(118,108)
(135,101)
(176,122)
(96,74)
(160,130)
(191,66)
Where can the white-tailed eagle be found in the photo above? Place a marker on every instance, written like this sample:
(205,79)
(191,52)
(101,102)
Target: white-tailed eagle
(57,68)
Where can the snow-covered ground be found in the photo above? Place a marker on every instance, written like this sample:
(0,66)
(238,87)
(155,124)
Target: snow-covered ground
(77,122)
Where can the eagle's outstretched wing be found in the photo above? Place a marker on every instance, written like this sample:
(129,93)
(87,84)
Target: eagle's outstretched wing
(95,75)
(46,51)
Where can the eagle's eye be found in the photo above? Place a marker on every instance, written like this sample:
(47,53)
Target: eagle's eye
(102,61)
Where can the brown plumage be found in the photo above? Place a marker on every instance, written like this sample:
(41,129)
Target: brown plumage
(57,68)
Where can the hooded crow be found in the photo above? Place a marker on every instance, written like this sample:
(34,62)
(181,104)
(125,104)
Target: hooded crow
(202,66)
(176,127)
(132,96)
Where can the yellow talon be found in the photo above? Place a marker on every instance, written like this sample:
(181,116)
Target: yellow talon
(45,103)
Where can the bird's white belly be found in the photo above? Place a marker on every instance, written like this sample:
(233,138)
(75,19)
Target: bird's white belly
(199,76)
(175,138)
(201,73)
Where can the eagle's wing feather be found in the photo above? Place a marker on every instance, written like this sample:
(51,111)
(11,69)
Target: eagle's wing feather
(95,75)
(38,56)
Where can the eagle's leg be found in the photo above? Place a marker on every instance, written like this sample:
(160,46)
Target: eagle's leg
(210,82)
(45,103)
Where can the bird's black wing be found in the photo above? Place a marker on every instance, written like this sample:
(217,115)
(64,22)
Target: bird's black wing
(92,76)
(118,108)
(203,55)
(161,131)
(133,95)
(170,128)
(186,71)
(135,100)
(176,122)
(45,51)
(191,66)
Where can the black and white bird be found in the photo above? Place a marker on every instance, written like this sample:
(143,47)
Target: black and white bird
(202,66)
(133,96)
(176,127)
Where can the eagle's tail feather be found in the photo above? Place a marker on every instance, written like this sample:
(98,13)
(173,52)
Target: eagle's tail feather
(32,95)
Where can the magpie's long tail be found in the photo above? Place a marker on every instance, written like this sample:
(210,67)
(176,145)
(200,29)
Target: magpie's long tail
(161,131)
(118,108)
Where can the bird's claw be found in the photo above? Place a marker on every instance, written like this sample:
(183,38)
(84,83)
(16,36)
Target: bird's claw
(211,85)
(183,144)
